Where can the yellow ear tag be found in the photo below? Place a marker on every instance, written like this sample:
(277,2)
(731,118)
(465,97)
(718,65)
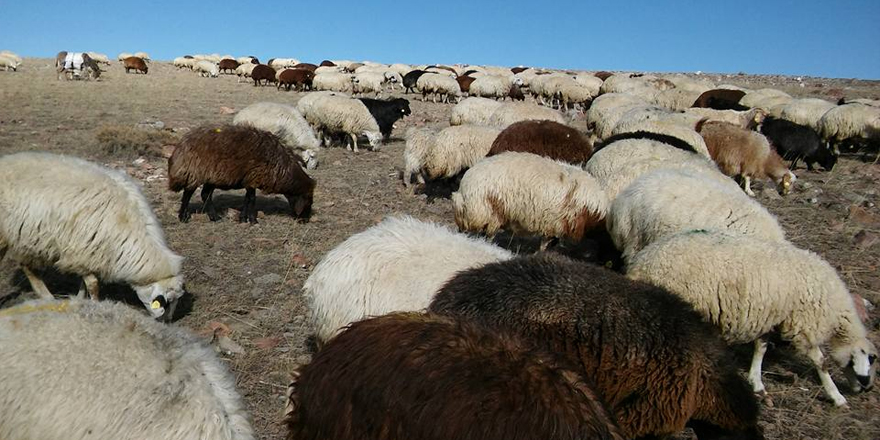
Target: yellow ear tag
(217,130)
(155,305)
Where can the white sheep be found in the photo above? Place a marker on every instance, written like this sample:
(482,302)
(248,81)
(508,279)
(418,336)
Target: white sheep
(244,71)
(437,84)
(850,123)
(806,111)
(677,99)
(128,376)
(8,63)
(396,265)
(328,69)
(283,63)
(89,220)
(123,56)
(143,55)
(514,112)
(286,122)
(762,98)
(335,82)
(490,86)
(573,94)
(245,60)
(99,57)
(475,111)
(607,109)
(538,85)
(206,68)
(369,82)
(671,200)
(183,63)
(749,287)
(527,193)
(682,82)
(338,114)
(446,153)
(749,119)
(11,54)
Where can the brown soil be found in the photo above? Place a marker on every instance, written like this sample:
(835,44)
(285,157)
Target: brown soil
(249,277)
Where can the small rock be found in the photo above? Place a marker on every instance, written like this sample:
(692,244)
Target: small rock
(268,279)
(865,239)
(226,110)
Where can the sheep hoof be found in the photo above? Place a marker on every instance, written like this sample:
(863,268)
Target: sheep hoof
(184,217)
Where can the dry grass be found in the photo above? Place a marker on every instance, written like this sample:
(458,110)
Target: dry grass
(226,260)
(126,140)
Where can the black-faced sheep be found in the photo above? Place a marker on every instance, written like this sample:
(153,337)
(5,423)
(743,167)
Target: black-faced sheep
(136,64)
(411,376)
(262,72)
(651,357)
(544,138)
(796,142)
(721,99)
(386,113)
(234,157)
(299,79)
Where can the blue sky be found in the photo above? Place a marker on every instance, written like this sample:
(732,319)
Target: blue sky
(809,37)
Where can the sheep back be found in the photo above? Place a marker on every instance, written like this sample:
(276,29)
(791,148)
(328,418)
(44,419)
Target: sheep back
(545,138)
(455,149)
(283,120)
(475,111)
(514,112)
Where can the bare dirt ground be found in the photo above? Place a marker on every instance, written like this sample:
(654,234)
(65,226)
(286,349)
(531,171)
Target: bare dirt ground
(245,280)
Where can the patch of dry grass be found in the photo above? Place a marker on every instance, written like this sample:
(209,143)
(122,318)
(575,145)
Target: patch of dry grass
(132,140)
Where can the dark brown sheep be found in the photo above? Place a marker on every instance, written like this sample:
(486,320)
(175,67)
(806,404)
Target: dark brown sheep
(228,66)
(516,70)
(464,83)
(263,72)
(298,78)
(515,93)
(327,63)
(544,138)
(306,66)
(441,67)
(603,75)
(650,355)
(235,157)
(411,376)
(721,99)
(135,63)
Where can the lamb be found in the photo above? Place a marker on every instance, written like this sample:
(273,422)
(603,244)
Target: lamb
(394,377)
(411,78)
(207,69)
(287,123)
(337,82)
(447,153)
(8,63)
(545,138)
(130,377)
(659,367)
(806,111)
(227,65)
(300,79)
(721,99)
(339,114)
(85,219)
(386,113)
(667,201)
(235,157)
(851,125)
(748,288)
(262,72)
(746,154)
(514,112)
(749,119)
(440,85)
(396,265)
(135,63)
(490,86)
(527,193)
(474,111)
(796,142)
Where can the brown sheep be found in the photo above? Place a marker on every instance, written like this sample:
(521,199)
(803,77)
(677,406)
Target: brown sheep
(411,376)
(464,83)
(228,66)
(298,78)
(516,70)
(649,354)
(306,66)
(327,63)
(235,157)
(603,75)
(745,154)
(135,63)
(544,138)
(515,93)
(721,99)
(263,72)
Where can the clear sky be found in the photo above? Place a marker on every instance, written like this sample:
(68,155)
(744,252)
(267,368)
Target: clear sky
(808,37)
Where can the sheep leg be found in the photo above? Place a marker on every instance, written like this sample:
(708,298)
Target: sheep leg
(249,211)
(36,283)
(354,141)
(815,355)
(755,370)
(91,283)
(208,201)
(747,186)
(183,214)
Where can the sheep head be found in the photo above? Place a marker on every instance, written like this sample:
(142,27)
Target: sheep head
(859,362)
(160,298)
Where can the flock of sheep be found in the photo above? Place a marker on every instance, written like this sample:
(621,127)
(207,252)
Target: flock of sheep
(418,323)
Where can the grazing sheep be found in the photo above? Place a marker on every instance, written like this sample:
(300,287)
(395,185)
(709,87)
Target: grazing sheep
(545,138)
(82,218)
(74,64)
(411,78)
(299,79)
(440,85)
(183,63)
(676,99)
(396,265)
(244,71)
(464,83)
(762,98)
(335,82)
(721,99)
(11,55)
(338,114)
(235,157)
(659,367)
(247,60)
(474,111)
(663,126)
(207,69)
(748,288)
(447,153)
(396,377)
(369,82)
(143,55)
(526,193)
(135,63)
(306,66)
(130,377)
(806,111)
(8,63)
(262,72)
(745,154)
(99,57)
(282,63)
(796,142)
(606,110)
(516,93)
(287,123)
(667,201)
(574,95)
(851,125)
(228,66)
(514,112)
(749,119)
(123,56)
(590,82)
(386,113)
(490,86)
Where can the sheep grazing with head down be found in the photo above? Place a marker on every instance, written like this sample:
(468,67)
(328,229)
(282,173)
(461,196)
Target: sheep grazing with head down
(132,378)
(514,112)
(806,111)
(227,65)
(331,114)
(650,356)
(396,377)
(447,153)
(721,99)
(748,287)
(82,218)
(748,119)
(336,82)
(491,86)
(441,85)
(473,111)
(745,154)
(545,138)
(135,63)
(287,123)
(851,126)
(235,157)
(796,142)
(530,194)
(396,265)
(299,79)
(387,112)
(262,72)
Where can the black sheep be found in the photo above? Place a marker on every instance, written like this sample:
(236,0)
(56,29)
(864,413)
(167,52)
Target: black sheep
(386,113)
(795,142)
(409,80)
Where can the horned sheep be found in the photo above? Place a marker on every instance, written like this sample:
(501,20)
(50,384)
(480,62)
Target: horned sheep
(659,367)
(132,378)
(88,220)
(446,153)
(396,265)
(394,377)
(749,288)
(287,123)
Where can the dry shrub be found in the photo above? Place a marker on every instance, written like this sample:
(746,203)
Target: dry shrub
(133,141)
